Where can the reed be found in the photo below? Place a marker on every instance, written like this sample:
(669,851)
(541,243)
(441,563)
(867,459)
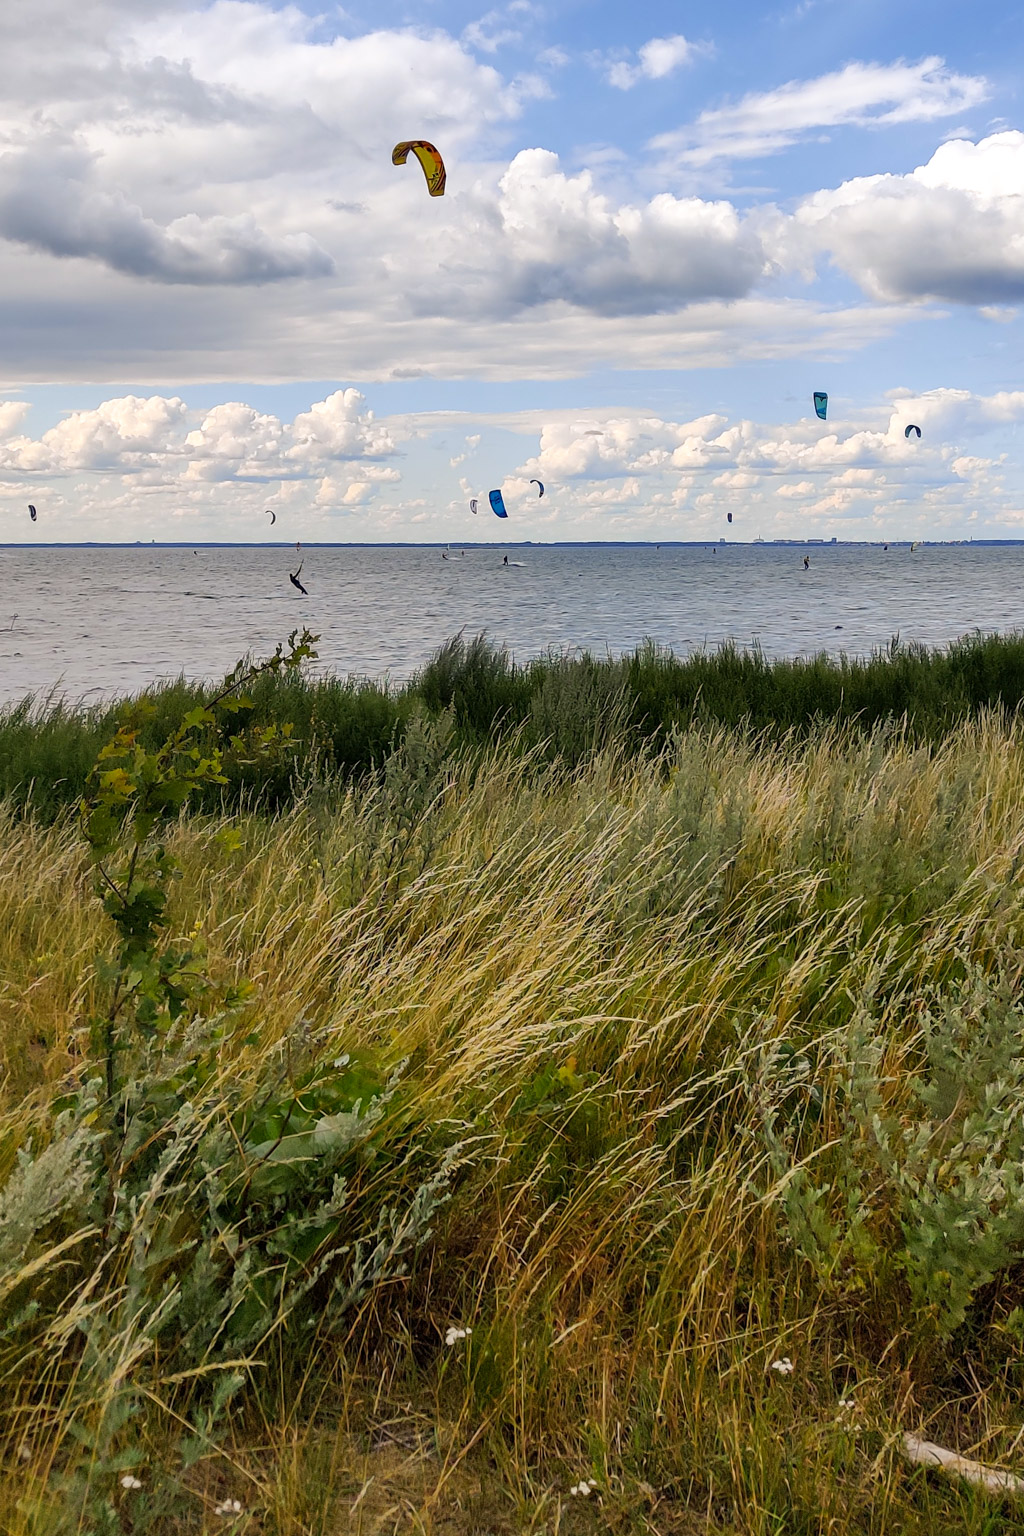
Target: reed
(703,1064)
(564,705)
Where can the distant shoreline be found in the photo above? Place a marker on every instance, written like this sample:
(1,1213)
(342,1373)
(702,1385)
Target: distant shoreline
(517,544)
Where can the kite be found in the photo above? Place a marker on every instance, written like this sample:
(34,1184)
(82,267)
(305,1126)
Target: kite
(912,428)
(497,504)
(428,157)
(820,402)
(472,506)
(728,517)
(272,516)
(32,512)
(538,483)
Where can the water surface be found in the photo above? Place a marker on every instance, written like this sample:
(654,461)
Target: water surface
(98,621)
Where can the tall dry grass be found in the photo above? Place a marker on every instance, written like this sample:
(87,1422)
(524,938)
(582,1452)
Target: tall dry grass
(681,1019)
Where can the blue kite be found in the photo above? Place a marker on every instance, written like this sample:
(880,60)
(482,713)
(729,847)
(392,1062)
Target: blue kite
(497,504)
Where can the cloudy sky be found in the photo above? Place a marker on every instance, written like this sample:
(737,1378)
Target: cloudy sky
(665,226)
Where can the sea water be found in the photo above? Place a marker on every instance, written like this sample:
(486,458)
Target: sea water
(92,622)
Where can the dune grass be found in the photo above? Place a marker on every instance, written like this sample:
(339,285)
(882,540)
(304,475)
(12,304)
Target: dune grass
(686,1069)
(564,705)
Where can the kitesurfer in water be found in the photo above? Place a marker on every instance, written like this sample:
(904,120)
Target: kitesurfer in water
(807,562)
(293,577)
(505,560)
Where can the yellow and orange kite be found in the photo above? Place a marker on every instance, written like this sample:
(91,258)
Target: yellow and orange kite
(428,157)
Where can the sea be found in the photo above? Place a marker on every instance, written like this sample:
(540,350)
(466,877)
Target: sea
(92,622)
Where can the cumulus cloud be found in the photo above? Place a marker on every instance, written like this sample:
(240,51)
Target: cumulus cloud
(802,468)
(338,428)
(12,416)
(656,60)
(126,434)
(209,146)
(863,95)
(160,161)
(46,202)
(561,239)
(152,461)
(952,229)
(134,436)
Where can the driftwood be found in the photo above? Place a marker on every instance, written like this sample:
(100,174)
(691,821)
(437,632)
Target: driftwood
(926,1454)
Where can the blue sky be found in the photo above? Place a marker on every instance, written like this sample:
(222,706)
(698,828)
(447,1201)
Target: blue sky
(665,225)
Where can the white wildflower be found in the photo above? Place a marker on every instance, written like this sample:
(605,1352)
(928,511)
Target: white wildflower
(583,1489)
(228,1507)
(847,1404)
(25,1451)
(128,1481)
(455,1334)
(785,1366)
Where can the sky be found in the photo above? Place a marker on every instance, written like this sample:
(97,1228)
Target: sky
(665,226)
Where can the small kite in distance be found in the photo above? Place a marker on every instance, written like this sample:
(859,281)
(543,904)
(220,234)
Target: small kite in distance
(540,484)
(912,428)
(428,157)
(821,403)
(472,506)
(728,516)
(272,516)
(32,512)
(497,503)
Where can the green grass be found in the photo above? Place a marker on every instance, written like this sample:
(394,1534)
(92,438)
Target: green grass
(730,1042)
(566,705)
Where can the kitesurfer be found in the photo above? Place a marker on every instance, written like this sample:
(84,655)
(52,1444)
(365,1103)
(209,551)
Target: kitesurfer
(293,577)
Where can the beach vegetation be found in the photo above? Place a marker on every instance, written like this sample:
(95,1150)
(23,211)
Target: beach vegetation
(563,704)
(514,1139)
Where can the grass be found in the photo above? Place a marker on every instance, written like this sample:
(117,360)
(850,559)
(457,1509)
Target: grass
(729,1043)
(565,704)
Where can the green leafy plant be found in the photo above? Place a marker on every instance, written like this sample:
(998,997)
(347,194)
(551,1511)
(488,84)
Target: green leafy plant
(209,1206)
(133,790)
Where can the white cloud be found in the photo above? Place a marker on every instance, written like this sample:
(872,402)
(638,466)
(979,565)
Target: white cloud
(863,95)
(952,229)
(148,463)
(493,31)
(160,161)
(337,428)
(47,202)
(132,436)
(802,469)
(12,416)
(561,239)
(657,59)
(125,434)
